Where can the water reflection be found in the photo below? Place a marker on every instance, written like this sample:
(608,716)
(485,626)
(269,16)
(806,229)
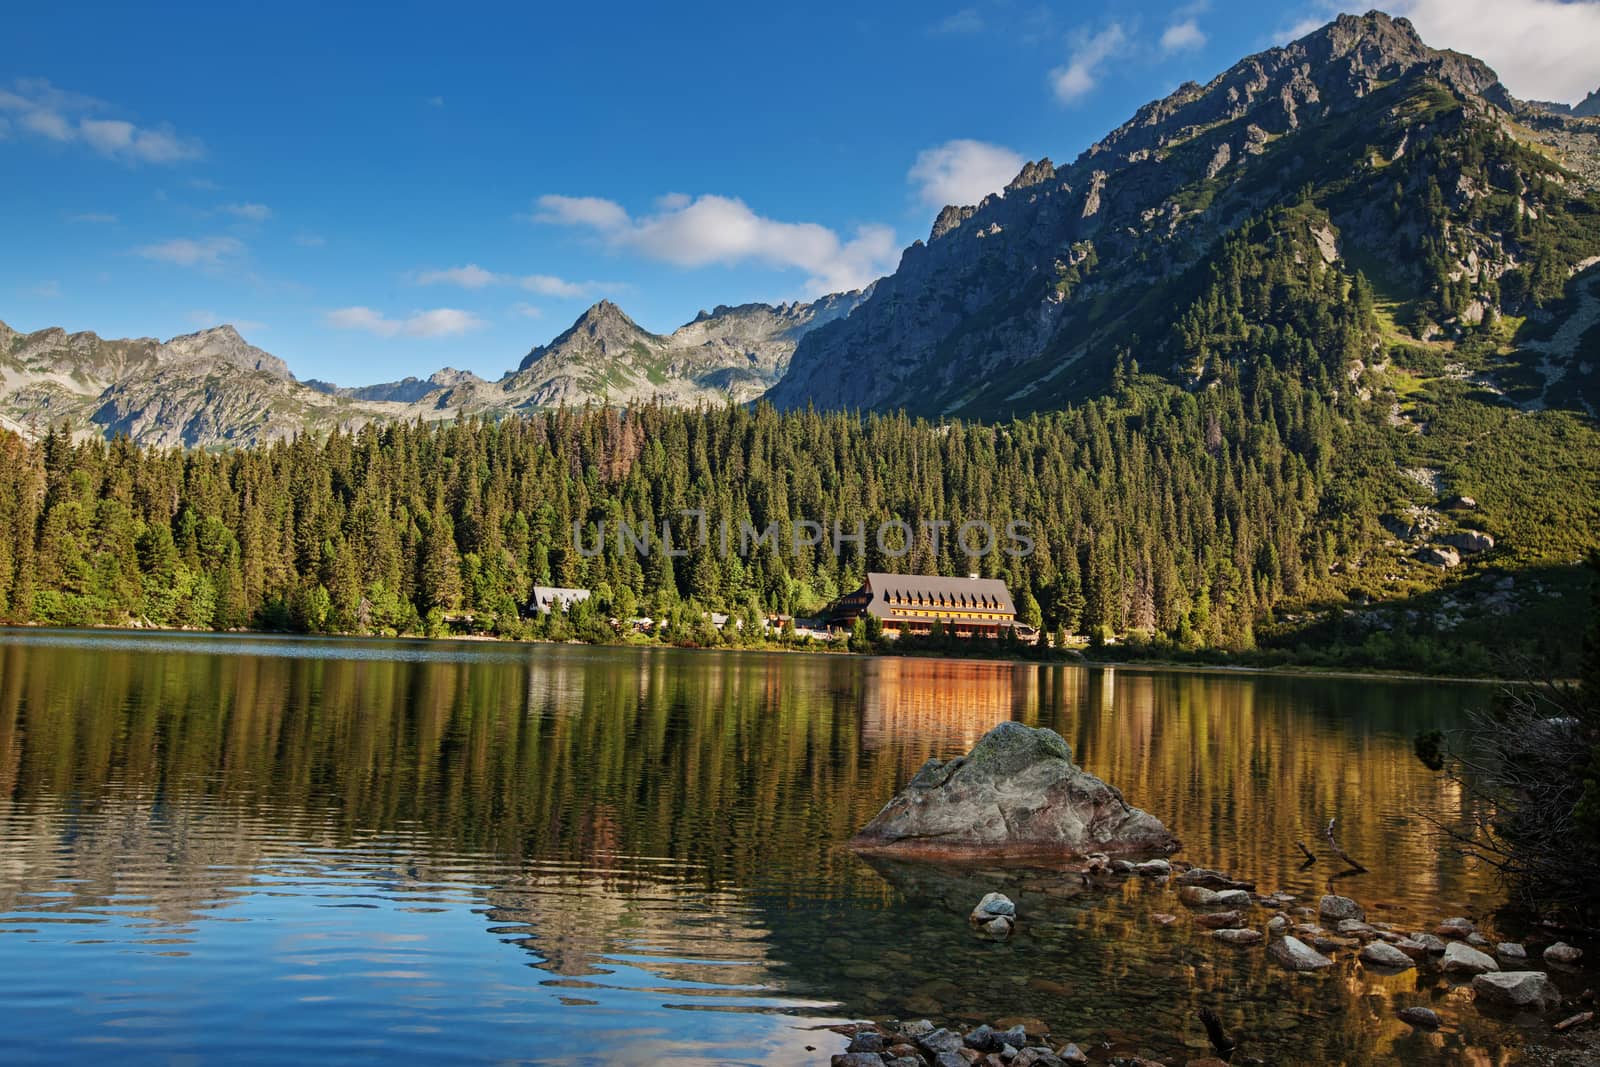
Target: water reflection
(352,846)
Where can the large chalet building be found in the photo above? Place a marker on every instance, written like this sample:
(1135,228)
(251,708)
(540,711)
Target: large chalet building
(912,603)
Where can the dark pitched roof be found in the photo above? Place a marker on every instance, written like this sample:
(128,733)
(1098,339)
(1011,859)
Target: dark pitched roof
(892,591)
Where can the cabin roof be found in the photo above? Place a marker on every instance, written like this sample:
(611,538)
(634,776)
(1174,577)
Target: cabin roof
(894,593)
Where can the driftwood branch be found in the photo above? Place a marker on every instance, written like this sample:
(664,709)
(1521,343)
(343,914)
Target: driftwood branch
(1333,843)
(1311,857)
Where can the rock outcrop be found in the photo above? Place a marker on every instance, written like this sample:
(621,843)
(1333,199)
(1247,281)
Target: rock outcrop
(1017,792)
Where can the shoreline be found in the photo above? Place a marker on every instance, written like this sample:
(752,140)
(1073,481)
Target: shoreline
(1065,658)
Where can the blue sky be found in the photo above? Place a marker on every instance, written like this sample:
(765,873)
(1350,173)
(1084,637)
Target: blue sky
(373,193)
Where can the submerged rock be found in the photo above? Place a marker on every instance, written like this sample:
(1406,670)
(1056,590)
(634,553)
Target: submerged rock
(1510,950)
(1017,791)
(1517,989)
(1235,936)
(1424,1018)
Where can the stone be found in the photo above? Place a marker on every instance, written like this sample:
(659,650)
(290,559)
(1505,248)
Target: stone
(1531,990)
(1469,541)
(1332,908)
(1017,791)
(1462,958)
(984,1039)
(866,1041)
(1355,928)
(857,1059)
(999,926)
(1422,1018)
(1431,942)
(940,1040)
(1036,1057)
(1015,1036)
(1477,940)
(1581,1019)
(1442,556)
(1562,953)
(1162,918)
(1204,876)
(1277,925)
(1383,954)
(1238,936)
(1454,928)
(917,1028)
(1218,920)
(1232,897)
(950,1059)
(992,905)
(1413,948)
(1510,950)
(1071,1053)
(1153,868)
(1197,896)
(1296,955)
(1120,866)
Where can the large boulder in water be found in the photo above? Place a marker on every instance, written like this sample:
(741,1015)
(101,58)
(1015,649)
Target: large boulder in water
(1016,792)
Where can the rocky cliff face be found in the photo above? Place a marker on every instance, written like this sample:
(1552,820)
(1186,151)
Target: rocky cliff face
(1024,300)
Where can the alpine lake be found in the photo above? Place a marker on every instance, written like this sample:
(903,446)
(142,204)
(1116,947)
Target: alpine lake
(257,849)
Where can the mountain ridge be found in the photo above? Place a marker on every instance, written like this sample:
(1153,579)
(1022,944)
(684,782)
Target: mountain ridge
(212,387)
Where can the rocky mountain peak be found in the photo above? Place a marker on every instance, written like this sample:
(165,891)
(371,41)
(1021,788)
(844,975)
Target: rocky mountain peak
(223,343)
(1033,174)
(1589,107)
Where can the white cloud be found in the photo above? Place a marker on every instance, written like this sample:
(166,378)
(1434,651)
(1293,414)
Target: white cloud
(967,20)
(549,285)
(473,276)
(92,217)
(1542,49)
(1089,51)
(68,118)
(526,311)
(723,230)
(193,252)
(44,290)
(439,322)
(436,101)
(252,212)
(580,211)
(962,172)
(1182,36)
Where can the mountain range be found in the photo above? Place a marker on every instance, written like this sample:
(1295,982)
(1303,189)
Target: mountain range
(1412,173)
(212,388)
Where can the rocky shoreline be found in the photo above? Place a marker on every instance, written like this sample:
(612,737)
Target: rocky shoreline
(1299,937)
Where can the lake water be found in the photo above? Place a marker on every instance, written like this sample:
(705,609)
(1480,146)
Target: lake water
(259,849)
